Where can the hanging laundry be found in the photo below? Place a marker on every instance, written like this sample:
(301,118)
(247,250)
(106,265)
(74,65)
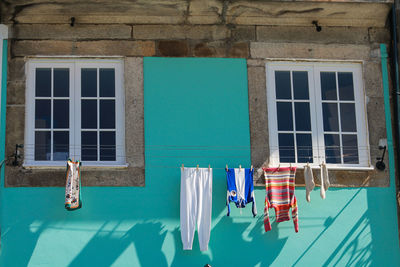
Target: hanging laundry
(240,188)
(195,206)
(73,199)
(309,181)
(324,180)
(280,184)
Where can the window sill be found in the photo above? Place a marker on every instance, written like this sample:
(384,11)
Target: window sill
(83,167)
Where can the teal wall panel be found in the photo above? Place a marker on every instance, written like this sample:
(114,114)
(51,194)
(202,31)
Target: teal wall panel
(196,112)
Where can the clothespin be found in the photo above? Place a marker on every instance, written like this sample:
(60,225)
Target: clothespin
(226,167)
(240,167)
(183,166)
(251,168)
(209,167)
(290,164)
(197,168)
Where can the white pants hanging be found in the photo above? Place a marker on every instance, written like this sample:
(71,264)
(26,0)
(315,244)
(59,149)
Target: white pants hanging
(196,203)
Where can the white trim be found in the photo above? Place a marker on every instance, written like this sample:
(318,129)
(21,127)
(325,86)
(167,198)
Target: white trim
(75,66)
(313,69)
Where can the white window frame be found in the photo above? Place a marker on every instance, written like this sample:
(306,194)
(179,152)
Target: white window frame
(75,66)
(316,117)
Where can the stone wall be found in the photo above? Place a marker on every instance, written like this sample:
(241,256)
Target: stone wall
(132,41)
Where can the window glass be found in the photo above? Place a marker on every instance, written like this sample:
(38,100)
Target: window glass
(346,88)
(89,82)
(285,116)
(83,119)
(107,82)
(286,147)
(43,82)
(61,83)
(283,88)
(328,86)
(300,85)
(315,112)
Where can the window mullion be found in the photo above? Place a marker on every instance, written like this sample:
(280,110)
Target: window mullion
(318,124)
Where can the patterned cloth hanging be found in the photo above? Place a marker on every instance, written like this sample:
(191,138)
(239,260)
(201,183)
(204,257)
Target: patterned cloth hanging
(280,184)
(73,199)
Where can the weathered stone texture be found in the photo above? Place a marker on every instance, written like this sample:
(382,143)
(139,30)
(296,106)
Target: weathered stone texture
(171,32)
(16,92)
(209,49)
(20,177)
(15,125)
(309,51)
(97,48)
(16,69)
(244,33)
(239,50)
(134,110)
(173,48)
(66,32)
(258,116)
(373,79)
(379,35)
(328,35)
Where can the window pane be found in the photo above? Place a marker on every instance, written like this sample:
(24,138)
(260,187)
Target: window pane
(346,87)
(348,117)
(328,86)
(61,82)
(60,145)
(330,113)
(286,147)
(282,83)
(89,114)
(350,148)
(302,114)
(43,113)
(107,146)
(107,82)
(304,148)
(89,146)
(300,85)
(332,148)
(107,114)
(43,82)
(89,82)
(61,114)
(42,145)
(285,116)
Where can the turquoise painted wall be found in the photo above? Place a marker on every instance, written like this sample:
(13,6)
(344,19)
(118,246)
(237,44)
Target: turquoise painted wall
(196,112)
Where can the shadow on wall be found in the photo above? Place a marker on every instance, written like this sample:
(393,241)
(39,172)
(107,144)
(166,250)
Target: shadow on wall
(147,238)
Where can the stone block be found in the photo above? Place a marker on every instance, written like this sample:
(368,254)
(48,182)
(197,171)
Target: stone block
(134,111)
(210,49)
(309,51)
(115,48)
(15,125)
(15,92)
(258,116)
(379,35)
(205,12)
(66,32)
(90,48)
(240,50)
(372,73)
(180,32)
(16,69)
(256,62)
(328,35)
(243,33)
(173,48)
(19,176)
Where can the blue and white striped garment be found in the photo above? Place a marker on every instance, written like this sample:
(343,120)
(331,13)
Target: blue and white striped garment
(240,188)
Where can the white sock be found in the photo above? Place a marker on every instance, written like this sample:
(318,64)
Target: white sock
(324,180)
(309,180)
